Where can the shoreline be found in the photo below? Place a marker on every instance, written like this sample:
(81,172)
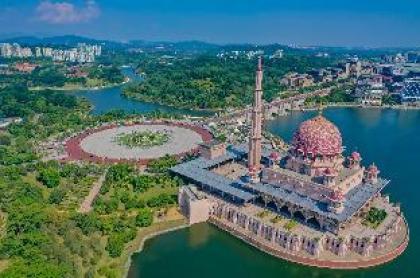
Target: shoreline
(140,246)
(216,110)
(81,89)
(349,105)
(310,262)
(355,105)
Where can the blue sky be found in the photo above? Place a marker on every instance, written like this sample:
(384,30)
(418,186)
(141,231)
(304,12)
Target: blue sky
(304,22)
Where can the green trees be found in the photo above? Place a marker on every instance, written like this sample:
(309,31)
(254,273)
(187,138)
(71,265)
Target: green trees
(337,95)
(88,223)
(47,76)
(56,196)
(117,240)
(143,139)
(207,82)
(161,200)
(25,219)
(129,202)
(119,172)
(40,268)
(50,177)
(110,74)
(115,245)
(144,218)
(142,183)
(162,164)
(390,100)
(5,140)
(42,235)
(374,217)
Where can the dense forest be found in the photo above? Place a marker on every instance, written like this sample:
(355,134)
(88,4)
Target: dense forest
(208,82)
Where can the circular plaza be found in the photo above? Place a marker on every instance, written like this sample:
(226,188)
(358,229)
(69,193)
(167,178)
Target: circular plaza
(138,142)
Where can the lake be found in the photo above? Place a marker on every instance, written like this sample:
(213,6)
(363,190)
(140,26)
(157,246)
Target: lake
(104,100)
(390,138)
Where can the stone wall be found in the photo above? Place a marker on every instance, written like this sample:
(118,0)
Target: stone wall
(277,236)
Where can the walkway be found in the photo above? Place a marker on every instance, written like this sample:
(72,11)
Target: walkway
(76,152)
(86,206)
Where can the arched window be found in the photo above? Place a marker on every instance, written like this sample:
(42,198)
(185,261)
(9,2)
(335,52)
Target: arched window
(285,210)
(272,205)
(313,222)
(299,216)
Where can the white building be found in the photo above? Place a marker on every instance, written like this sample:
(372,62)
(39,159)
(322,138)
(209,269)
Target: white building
(370,90)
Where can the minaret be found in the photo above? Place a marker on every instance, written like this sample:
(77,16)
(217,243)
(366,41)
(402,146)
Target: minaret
(254,155)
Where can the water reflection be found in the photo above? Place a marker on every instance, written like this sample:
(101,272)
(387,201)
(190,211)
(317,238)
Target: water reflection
(199,235)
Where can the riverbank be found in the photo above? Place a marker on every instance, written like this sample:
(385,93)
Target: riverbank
(357,105)
(145,234)
(184,107)
(69,88)
(120,266)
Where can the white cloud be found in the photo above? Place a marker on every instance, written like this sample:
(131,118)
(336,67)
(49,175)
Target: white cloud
(66,12)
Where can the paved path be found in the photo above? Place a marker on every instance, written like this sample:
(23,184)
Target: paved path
(86,206)
(75,151)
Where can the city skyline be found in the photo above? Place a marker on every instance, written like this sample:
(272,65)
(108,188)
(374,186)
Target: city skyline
(302,22)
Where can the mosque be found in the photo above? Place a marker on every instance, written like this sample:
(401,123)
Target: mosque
(308,204)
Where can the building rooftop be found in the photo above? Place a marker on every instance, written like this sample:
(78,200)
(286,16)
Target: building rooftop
(213,181)
(198,171)
(355,198)
(411,90)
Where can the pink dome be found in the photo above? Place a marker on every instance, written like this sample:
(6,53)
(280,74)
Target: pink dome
(318,136)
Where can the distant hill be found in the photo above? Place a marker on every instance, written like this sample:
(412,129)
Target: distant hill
(67,40)
(192,46)
(73,40)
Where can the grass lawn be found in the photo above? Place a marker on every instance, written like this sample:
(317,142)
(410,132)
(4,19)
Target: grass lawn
(156,191)
(290,225)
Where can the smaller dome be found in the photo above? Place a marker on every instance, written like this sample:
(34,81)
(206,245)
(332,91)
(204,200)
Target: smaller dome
(356,156)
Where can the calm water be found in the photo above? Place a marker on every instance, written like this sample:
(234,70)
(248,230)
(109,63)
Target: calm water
(391,138)
(108,99)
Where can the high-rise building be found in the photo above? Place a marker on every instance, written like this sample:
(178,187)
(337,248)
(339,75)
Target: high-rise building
(38,52)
